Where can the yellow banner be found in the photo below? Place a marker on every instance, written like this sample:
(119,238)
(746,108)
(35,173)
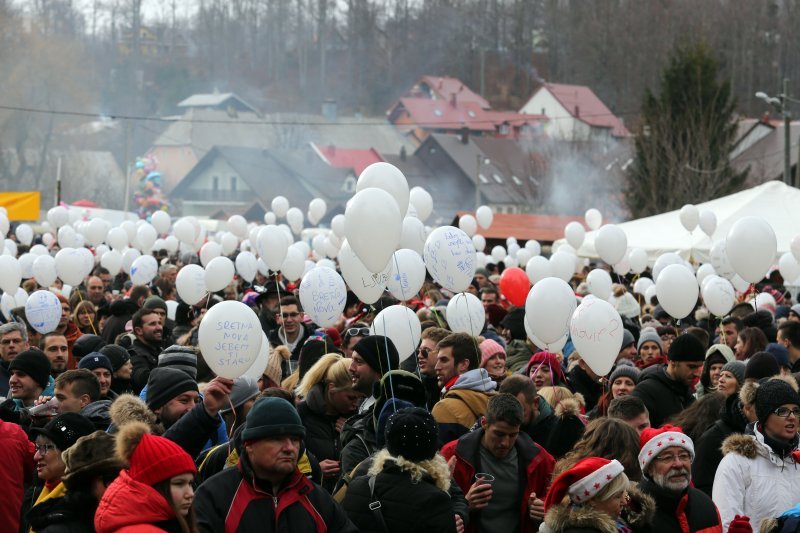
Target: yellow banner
(21,205)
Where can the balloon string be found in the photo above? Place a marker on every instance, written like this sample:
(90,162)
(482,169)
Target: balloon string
(380,361)
(474,337)
(91,323)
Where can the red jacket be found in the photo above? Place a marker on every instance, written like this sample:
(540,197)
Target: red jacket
(16,469)
(536,466)
(129,506)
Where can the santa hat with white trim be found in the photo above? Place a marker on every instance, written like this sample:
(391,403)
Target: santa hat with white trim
(583,481)
(653,441)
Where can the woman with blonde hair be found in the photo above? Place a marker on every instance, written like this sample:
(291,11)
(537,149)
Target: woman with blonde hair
(84,317)
(329,400)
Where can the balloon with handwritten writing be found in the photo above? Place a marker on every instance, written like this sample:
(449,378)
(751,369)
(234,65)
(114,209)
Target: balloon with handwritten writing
(402,326)
(144,269)
(596,331)
(465,314)
(323,295)
(450,258)
(406,275)
(230,338)
(366,285)
(258,367)
(719,295)
(548,309)
(43,311)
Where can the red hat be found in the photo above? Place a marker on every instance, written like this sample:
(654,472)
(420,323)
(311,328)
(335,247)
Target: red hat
(156,459)
(550,360)
(334,336)
(653,441)
(583,481)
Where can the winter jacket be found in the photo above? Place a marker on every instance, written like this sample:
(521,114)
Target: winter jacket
(567,427)
(413,496)
(97,412)
(568,518)
(541,428)
(753,481)
(357,439)
(590,389)
(662,395)
(275,341)
(518,354)
(16,471)
(708,448)
(235,501)
(121,312)
(688,511)
(193,430)
(5,375)
(535,464)
(144,358)
(321,438)
(463,404)
(129,506)
(72,513)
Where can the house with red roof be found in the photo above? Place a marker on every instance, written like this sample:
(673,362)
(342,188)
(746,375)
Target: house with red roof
(355,160)
(575,113)
(447,89)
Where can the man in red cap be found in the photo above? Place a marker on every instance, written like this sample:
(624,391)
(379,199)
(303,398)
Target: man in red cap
(666,460)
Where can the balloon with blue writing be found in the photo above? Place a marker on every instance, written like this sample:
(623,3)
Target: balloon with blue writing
(43,311)
(323,295)
(407,274)
(465,314)
(366,285)
(256,370)
(230,338)
(450,258)
(191,284)
(596,330)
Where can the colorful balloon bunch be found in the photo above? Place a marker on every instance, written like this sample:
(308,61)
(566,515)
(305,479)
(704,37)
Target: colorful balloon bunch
(148,196)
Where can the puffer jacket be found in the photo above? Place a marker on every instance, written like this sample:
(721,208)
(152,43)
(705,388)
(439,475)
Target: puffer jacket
(413,496)
(568,518)
(662,395)
(321,438)
(129,506)
(463,404)
(708,448)
(753,481)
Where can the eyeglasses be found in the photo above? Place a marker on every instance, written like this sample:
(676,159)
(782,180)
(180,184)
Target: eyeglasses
(44,448)
(288,315)
(784,412)
(668,459)
(357,332)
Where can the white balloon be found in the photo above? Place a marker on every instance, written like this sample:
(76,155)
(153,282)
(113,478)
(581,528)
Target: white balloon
(144,269)
(708,222)
(272,245)
(599,282)
(794,246)
(387,177)
(689,216)
(229,242)
(597,332)
(191,284)
(402,326)
(366,285)
(326,263)
(665,260)
(642,284)
(720,262)
(422,202)
(128,257)
(406,275)
(270,218)
(533,247)
(294,217)
(739,284)
(413,235)
(638,260)
(258,367)
(450,258)
(323,295)
(209,251)
(57,216)
(303,248)
(548,309)
(161,221)
(184,231)
(537,269)
(146,236)
(788,266)
(4,225)
(523,256)
(468,224)
(7,303)
(10,274)
(69,265)
(280,205)
(373,226)
(230,338)
(20,297)
(623,267)
(293,265)
(112,261)
(26,265)
(318,244)
(650,293)
(513,249)
(238,226)
(246,266)
(593,218)
(751,246)
(117,238)
(498,253)
(485,216)
(611,244)
(705,270)
(337,225)
(24,234)
(719,295)
(317,207)
(677,291)
(562,265)
(465,314)
(67,238)
(510,261)
(48,241)
(574,233)
(219,273)
(43,311)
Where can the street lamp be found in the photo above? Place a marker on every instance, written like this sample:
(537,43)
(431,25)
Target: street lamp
(479,160)
(781,103)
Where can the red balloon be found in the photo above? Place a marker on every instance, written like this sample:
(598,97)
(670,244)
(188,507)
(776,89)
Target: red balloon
(514,284)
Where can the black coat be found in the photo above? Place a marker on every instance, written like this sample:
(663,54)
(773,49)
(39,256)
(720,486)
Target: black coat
(321,438)
(691,507)
(358,440)
(144,358)
(589,388)
(193,430)
(121,312)
(662,395)
(73,513)
(708,448)
(407,507)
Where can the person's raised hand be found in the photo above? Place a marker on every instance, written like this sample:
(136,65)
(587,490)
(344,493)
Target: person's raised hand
(217,395)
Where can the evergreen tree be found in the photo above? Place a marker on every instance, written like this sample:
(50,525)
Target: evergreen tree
(685,138)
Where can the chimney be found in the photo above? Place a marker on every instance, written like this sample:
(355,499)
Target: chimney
(453,99)
(577,111)
(329,109)
(403,153)
(464,135)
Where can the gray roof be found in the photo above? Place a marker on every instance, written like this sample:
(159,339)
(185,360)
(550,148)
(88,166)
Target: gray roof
(765,156)
(212,100)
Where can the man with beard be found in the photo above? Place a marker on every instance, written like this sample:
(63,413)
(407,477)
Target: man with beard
(146,347)
(13,341)
(54,345)
(68,329)
(666,461)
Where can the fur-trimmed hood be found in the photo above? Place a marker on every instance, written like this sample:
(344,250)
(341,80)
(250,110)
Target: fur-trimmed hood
(436,469)
(128,408)
(638,514)
(751,446)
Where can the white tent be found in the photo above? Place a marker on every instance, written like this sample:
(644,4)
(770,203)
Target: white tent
(774,201)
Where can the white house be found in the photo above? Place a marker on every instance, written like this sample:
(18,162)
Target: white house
(575,113)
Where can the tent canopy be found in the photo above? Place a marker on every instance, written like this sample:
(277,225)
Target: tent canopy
(774,201)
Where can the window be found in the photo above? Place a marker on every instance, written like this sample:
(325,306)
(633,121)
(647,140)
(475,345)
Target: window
(471,113)
(483,178)
(497,178)
(437,112)
(504,129)
(349,184)
(233,183)
(215,183)
(516,180)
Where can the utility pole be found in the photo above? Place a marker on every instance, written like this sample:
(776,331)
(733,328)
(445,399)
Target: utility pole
(787,134)
(58,181)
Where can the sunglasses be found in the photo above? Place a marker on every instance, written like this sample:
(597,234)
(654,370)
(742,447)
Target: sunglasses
(357,332)
(424,352)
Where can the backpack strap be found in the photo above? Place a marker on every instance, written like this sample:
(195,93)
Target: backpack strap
(375,505)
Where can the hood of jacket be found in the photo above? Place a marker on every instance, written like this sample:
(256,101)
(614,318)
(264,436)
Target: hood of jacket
(476,380)
(474,400)
(123,307)
(128,408)
(128,502)
(435,469)
(98,413)
(565,516)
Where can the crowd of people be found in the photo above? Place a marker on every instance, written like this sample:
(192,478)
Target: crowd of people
(114,422)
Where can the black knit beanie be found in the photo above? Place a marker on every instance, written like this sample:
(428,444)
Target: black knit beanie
(773,394)
(761,365)
(687,348)
(34,363)
(379,353)
(412,433)
(116,354)
(165,384)
(514,321)
(86,344)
